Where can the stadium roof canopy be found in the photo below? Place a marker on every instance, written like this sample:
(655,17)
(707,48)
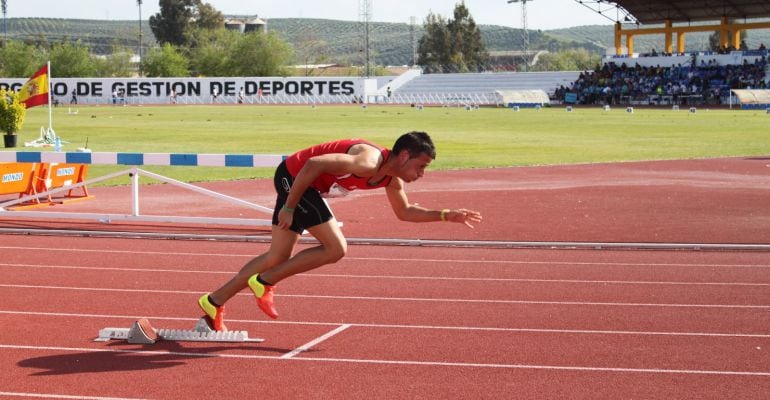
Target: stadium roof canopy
(658,11)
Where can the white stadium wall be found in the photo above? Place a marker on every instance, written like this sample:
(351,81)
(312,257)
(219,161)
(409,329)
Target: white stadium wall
(199,90)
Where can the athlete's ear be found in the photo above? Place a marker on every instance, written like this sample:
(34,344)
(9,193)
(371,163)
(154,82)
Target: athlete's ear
(403,156)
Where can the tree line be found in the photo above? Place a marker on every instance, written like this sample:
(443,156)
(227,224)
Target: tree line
(192,41)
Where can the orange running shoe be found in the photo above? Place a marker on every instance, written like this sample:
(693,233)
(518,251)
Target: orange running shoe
(264,295)
(215,315)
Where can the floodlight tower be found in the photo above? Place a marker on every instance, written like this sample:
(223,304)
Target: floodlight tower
(365,14)
(4,4)
(139,3)
(524,28)
(412,22)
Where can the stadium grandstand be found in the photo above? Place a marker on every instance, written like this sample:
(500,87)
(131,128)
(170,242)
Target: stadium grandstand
(674,76)
(476,89)
(671,77)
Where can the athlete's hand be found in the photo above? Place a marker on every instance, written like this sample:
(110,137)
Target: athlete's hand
(467,217)
(285,219)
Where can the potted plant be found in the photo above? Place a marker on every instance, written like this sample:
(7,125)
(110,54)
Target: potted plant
(12,113)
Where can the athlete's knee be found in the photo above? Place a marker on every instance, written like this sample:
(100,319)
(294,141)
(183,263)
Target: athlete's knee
(336,251)
(275,259)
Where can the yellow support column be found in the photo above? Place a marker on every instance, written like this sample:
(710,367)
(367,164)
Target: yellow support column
(723,33)
(669,34)
(680,42)
(729,33)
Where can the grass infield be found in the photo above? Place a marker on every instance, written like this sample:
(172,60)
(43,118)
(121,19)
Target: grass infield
(488,137)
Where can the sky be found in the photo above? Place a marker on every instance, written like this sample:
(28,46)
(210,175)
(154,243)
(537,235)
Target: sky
(541,14)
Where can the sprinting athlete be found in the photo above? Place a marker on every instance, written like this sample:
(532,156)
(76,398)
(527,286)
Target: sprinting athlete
(330,169)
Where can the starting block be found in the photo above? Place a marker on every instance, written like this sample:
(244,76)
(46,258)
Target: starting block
(142,332)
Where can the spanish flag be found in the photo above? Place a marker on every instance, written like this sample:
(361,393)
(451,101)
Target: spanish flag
(35,91)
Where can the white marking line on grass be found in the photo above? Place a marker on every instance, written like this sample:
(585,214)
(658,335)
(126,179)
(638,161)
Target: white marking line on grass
(401,299)
(63,396)
(411,259)
(396,362)
(307,346)
(399,277)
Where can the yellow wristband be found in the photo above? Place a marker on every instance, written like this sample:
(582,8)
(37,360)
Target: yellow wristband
(444,213)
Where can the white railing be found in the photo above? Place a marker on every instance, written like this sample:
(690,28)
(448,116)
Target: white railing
(445,99)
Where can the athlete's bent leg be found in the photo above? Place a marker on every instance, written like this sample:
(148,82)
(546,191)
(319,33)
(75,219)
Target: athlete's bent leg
(333,247)
(281,247)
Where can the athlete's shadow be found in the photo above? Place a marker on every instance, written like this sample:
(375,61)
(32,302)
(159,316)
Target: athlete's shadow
(124,357)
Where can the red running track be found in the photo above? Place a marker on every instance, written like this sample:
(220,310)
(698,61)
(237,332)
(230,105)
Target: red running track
(421,322)
(689,201)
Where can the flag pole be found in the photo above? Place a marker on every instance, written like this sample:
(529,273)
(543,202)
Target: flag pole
(50,112)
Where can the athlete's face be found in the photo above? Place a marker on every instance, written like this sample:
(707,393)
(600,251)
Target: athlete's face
(413,168)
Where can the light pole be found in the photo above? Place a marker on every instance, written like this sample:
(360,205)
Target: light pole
(412,22)
(365,12)
(524,27)
(4,4)
(139,3)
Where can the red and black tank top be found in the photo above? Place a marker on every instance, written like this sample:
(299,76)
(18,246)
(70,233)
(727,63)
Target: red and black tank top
(335,185)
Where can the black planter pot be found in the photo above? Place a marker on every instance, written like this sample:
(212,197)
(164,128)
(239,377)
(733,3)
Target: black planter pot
(10,140)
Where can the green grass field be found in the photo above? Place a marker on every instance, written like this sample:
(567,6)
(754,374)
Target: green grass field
(487,137)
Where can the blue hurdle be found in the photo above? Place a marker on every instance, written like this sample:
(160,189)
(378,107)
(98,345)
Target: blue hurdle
(135,160)
(138,159)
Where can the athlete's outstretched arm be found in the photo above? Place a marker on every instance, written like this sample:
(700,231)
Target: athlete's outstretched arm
(414,213)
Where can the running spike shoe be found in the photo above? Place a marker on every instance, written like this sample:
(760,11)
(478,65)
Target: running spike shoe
(264,294)
(215,315)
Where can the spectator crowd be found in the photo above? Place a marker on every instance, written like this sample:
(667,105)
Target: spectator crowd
(694,83)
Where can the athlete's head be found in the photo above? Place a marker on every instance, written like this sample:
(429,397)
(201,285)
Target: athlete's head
(415,143)
(414,152)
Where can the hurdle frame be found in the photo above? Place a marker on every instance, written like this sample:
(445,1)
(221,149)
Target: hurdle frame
(134,214)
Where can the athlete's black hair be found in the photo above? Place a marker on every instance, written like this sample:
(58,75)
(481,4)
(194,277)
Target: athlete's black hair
(415,143)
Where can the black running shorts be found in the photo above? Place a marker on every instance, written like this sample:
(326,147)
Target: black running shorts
(311,210)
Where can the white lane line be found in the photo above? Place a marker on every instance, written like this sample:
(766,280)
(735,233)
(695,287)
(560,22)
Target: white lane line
(307,346)
(112,251)
(398,362)
(392,277)
(63,396)
(403,326)
(536,302)
(119,269)
(411,299)
(410,259)
(530,280)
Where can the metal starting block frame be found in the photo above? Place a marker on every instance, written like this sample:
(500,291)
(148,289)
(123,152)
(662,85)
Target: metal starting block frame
(142,332)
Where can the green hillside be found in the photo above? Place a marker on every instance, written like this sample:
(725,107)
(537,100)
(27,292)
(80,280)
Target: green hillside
(101,36)
(342,41)
(391,42)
